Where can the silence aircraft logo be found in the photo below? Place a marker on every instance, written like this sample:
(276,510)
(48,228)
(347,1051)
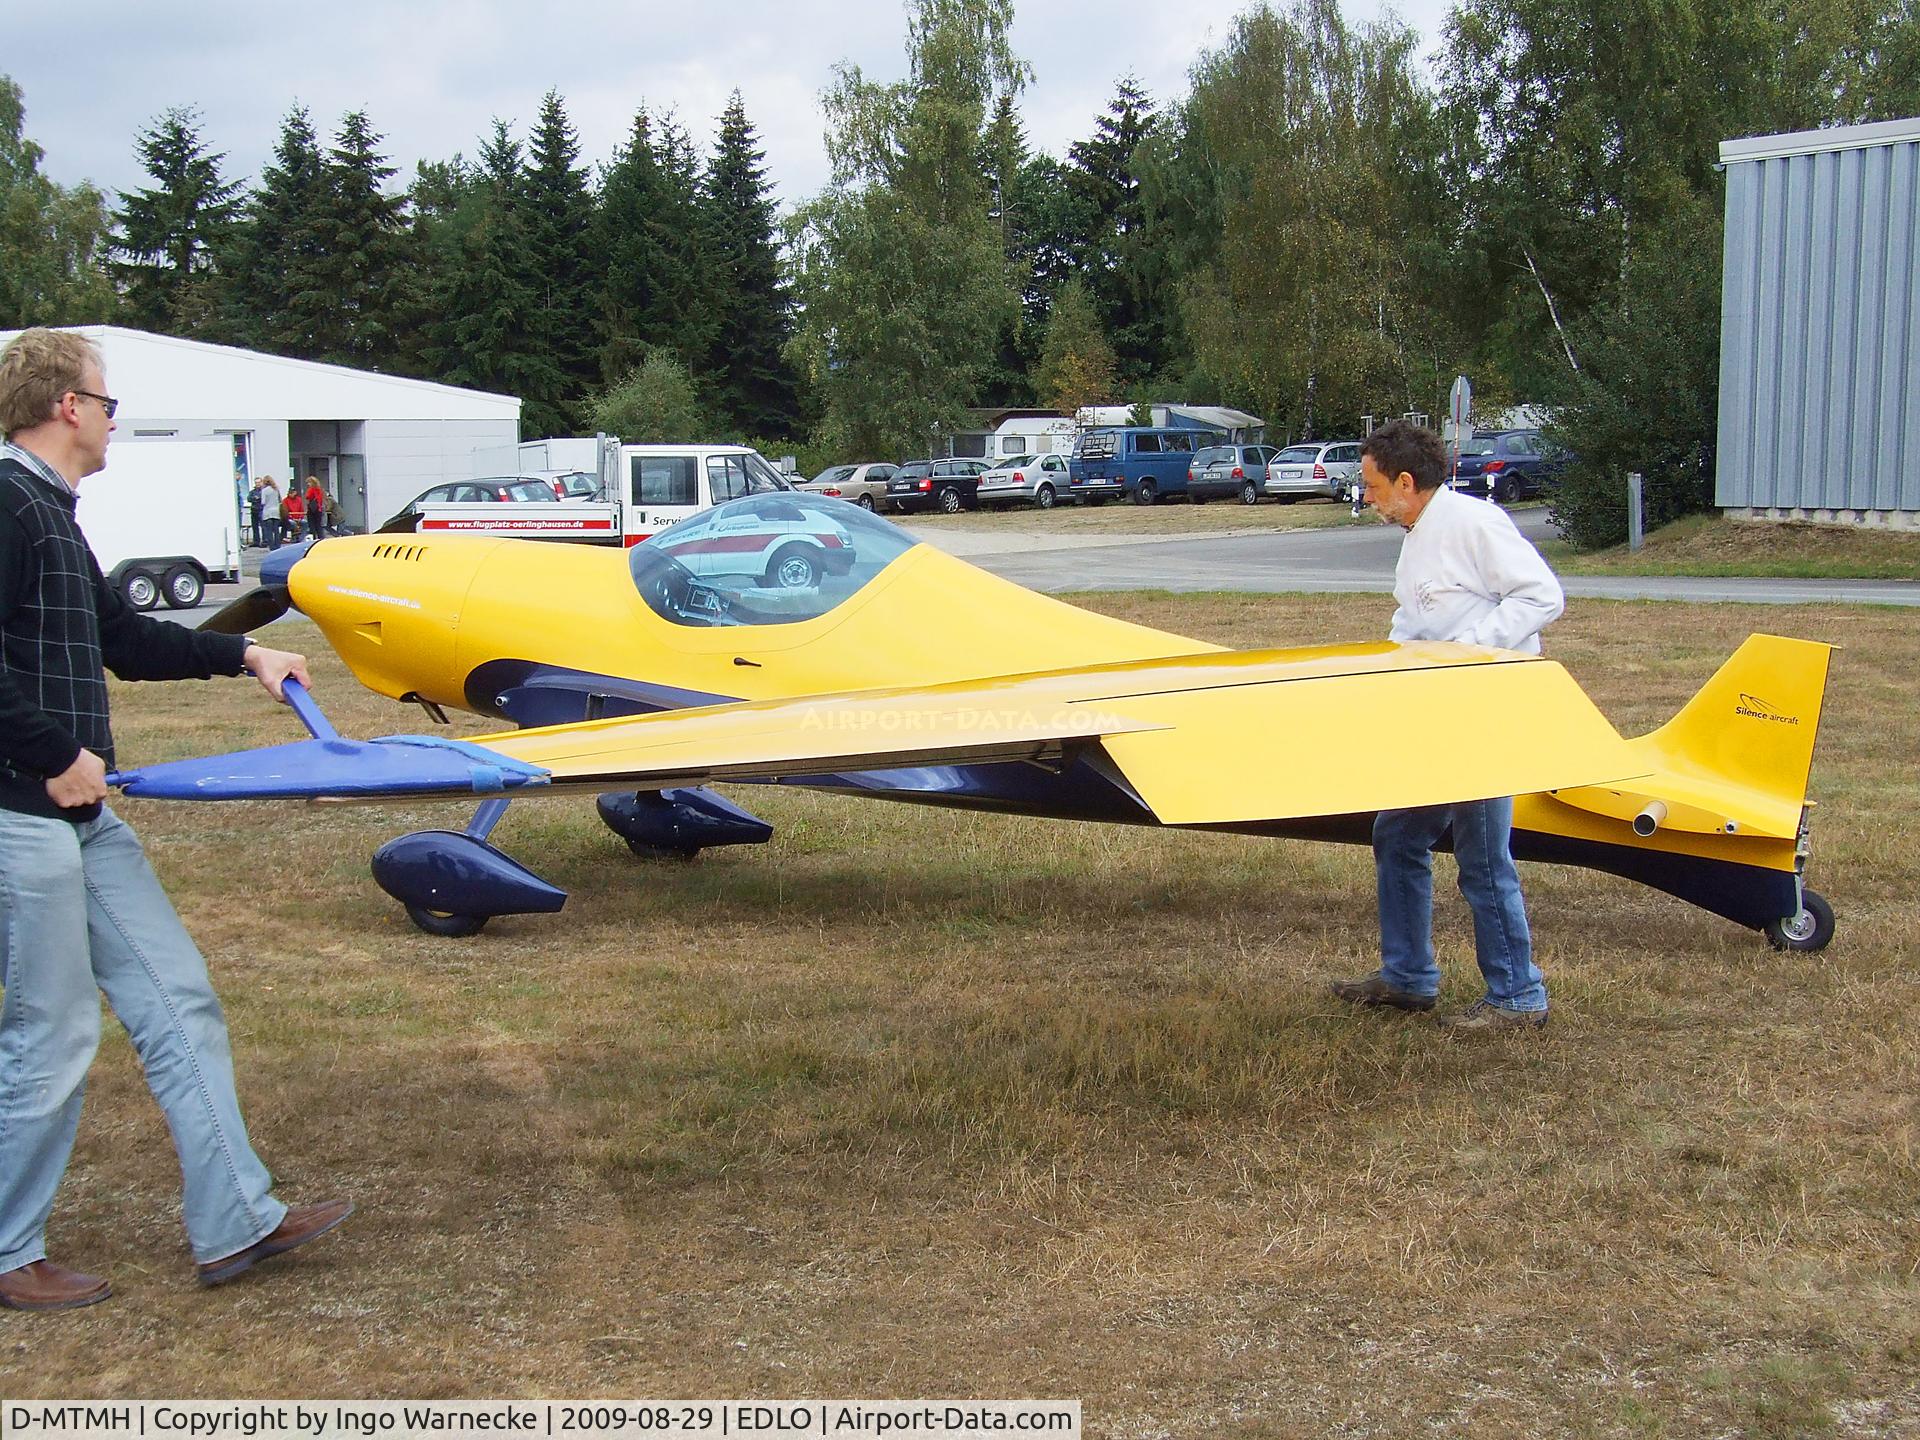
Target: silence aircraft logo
(1754,708)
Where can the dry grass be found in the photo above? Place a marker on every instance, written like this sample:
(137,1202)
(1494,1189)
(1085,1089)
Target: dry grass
(1714,545)
(913,1103)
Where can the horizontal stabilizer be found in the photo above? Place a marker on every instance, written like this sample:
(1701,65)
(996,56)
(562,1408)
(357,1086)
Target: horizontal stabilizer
(348,769)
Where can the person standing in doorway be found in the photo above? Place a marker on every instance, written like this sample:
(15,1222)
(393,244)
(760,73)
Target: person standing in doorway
(269,494)
(316,508)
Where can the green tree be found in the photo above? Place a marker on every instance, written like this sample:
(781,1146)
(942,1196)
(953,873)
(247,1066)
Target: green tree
(365,254)
(654,404)
(752,383)
(52,240)
(1115,254)
(900,268)
(560,241)
(1291,186)
(1076,365)
(166,236)
(655,288)
(273,291)
(485,292)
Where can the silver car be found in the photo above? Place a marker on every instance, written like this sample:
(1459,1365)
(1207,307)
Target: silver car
(1228,470)
(1025,480)
(864,484)
(1317,467)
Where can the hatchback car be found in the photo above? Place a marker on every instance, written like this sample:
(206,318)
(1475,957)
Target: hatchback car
(1025,480)
(1507,465)
(864,484)
(1222,470)
(949,486)
(497,487)
(1315,467)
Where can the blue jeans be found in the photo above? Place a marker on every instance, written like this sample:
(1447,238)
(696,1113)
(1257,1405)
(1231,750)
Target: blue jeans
(1403,842)
(79,908)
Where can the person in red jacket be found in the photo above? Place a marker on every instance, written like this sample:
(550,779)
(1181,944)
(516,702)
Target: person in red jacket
(316,507)
(294,510)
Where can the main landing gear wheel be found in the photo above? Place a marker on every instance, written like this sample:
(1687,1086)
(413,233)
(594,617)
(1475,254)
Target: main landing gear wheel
(1808,931)
(439,922)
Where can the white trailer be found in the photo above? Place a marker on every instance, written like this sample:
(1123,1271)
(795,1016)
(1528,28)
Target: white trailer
(163,519)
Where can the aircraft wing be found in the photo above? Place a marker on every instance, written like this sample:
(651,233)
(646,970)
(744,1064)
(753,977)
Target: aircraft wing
(1214,738)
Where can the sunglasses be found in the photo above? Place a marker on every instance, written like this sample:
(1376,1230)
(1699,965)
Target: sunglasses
(107,402)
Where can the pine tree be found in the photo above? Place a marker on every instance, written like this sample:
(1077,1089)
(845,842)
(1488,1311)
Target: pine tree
(751,381)
(1114,259)
(655,288)
(366,253)
(169,234)
(560,233)
(272,290)
(486,292)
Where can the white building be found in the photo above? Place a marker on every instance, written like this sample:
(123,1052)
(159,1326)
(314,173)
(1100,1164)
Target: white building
(375,441)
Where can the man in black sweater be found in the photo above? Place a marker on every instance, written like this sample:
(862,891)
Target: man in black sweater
(80,909)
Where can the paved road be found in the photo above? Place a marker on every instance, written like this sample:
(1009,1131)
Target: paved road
(1356,559)
(1361,559)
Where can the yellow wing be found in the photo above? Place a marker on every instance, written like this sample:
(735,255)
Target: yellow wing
(1201,739)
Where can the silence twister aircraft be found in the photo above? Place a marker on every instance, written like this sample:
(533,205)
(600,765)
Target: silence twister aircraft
(789,638)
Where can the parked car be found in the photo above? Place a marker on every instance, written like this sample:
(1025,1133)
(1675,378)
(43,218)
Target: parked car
(1507,465)
(1315,467)
(496,487)
(574,484)
(948,485)
(864,484)
(1221,470)
(773,542)
(1144,462)
(1025,479)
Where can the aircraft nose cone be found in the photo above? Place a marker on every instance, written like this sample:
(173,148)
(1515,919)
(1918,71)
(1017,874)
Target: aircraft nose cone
(275,567)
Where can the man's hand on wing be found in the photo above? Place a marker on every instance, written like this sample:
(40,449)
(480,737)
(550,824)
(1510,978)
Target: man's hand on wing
(84,782)
(271,667)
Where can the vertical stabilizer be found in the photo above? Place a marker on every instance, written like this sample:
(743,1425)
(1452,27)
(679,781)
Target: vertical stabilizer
(1753,724)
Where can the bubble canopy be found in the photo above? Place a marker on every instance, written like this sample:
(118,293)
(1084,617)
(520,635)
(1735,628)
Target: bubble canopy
(767,559)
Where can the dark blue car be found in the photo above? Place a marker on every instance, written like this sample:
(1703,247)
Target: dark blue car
(1507,465)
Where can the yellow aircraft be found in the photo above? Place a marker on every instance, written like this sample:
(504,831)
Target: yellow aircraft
(791,638)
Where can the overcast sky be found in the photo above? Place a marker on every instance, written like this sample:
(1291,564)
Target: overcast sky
(432,74)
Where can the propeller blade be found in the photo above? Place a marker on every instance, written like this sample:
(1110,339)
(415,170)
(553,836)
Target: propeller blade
(257,607)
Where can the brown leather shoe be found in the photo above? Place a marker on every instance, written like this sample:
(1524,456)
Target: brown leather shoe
(1376,992)
(303,1223)
(43,1285)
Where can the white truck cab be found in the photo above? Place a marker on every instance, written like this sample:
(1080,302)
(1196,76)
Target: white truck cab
(650,487)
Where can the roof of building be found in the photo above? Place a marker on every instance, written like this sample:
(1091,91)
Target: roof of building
(1814,142)
(164,378)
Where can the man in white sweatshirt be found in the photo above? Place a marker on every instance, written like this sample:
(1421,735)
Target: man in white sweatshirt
(1465,573)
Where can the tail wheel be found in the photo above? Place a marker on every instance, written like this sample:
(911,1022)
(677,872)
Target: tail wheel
(443,923)
(1810,930)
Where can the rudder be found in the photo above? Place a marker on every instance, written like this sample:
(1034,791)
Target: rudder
(1754,723)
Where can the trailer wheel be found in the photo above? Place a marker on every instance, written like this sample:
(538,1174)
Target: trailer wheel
(184,587)
(139,589)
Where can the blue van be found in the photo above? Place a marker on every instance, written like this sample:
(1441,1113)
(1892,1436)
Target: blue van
(1143,462)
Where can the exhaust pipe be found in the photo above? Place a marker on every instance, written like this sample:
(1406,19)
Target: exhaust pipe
(1648,820)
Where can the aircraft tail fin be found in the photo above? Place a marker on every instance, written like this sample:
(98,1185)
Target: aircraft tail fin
(1753,724)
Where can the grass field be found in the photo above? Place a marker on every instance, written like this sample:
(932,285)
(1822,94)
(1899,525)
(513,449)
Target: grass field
(1713,545)
(913,1103)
